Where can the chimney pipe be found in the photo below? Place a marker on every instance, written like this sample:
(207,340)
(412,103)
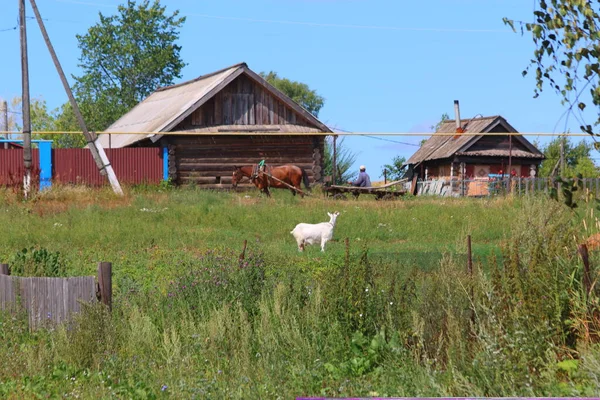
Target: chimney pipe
(457,117)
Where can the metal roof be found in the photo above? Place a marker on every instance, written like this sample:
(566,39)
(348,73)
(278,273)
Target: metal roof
(446,146)
(167,106)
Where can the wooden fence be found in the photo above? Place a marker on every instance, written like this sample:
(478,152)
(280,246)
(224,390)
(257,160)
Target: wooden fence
(53,300)
(498,187)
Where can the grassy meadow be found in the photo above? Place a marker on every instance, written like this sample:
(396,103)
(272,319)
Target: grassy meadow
(394,313)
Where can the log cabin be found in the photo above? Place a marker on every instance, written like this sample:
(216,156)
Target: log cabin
(216,121)
(477,157)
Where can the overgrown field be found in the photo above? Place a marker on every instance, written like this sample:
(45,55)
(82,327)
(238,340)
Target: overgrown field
(394,313)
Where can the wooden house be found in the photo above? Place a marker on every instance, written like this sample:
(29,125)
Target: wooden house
(226,118)
(451,154)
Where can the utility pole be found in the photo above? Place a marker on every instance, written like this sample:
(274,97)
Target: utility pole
(92,139)
(4,116)
(25,101)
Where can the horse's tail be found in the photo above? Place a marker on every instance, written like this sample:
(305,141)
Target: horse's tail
(305,179)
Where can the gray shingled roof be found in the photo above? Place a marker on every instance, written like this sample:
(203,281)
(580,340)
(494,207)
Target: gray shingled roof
(164,108)
(446,146)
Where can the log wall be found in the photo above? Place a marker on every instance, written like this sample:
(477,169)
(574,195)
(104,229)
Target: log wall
(209,160)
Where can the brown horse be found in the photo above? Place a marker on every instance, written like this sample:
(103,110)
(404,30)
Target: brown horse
(290,174)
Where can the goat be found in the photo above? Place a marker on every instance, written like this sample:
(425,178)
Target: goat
(315,233)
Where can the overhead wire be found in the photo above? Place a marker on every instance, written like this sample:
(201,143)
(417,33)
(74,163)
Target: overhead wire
(316,24)
(378,138)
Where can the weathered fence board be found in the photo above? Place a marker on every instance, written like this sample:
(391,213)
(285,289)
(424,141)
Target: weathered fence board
(47,300)
(7,293)
(480,188)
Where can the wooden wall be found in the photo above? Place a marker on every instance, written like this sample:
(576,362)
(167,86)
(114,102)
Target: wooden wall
(243,102)
(209,160)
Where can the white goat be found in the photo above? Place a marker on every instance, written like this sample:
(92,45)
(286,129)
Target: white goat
(315,233)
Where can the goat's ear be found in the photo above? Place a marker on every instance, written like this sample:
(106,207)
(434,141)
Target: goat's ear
(329,214)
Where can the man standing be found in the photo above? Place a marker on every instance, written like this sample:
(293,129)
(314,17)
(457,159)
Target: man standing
(363,179)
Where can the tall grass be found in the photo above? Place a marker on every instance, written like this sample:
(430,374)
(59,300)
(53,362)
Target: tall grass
(394,314)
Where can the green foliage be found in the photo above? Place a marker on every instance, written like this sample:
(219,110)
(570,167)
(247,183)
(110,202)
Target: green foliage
(443,118)
(395,170)
(59,119)
(566,34)
(297,91)
(365,357)
(578,159)
(345,158)
(394,314)
(124,58)
(38,262)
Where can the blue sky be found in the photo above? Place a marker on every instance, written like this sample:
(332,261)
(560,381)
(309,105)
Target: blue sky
(382,66)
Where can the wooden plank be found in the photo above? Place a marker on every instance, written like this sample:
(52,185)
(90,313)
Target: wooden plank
(275,107)
(258,105)
(7,293)
(251,110)
(245,109)
(218,109)
(265,107)
(269,104)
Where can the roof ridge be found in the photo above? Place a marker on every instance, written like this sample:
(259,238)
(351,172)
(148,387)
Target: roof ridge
(242,64)
(473,119)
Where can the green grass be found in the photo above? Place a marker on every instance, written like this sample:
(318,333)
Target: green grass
(393,317)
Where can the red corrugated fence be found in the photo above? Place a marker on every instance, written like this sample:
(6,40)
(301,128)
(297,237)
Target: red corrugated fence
(76,166)
(11,166)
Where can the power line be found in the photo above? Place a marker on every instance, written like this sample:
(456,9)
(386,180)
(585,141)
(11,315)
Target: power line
(375,137)
(316,24)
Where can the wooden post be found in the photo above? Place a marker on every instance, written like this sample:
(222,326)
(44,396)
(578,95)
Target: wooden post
(96,149)
(243,254)
(4,269)
(25,107)
(385,176)
(587,274)
(334,165)
(105,283)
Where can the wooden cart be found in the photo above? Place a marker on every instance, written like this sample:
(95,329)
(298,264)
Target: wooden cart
(385,192)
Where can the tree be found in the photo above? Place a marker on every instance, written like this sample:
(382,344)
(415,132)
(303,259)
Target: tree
(566,34)
(42,119)
(297,91)
(445,117)
(345,158)
(577,159)
(124,58)
(395,170)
